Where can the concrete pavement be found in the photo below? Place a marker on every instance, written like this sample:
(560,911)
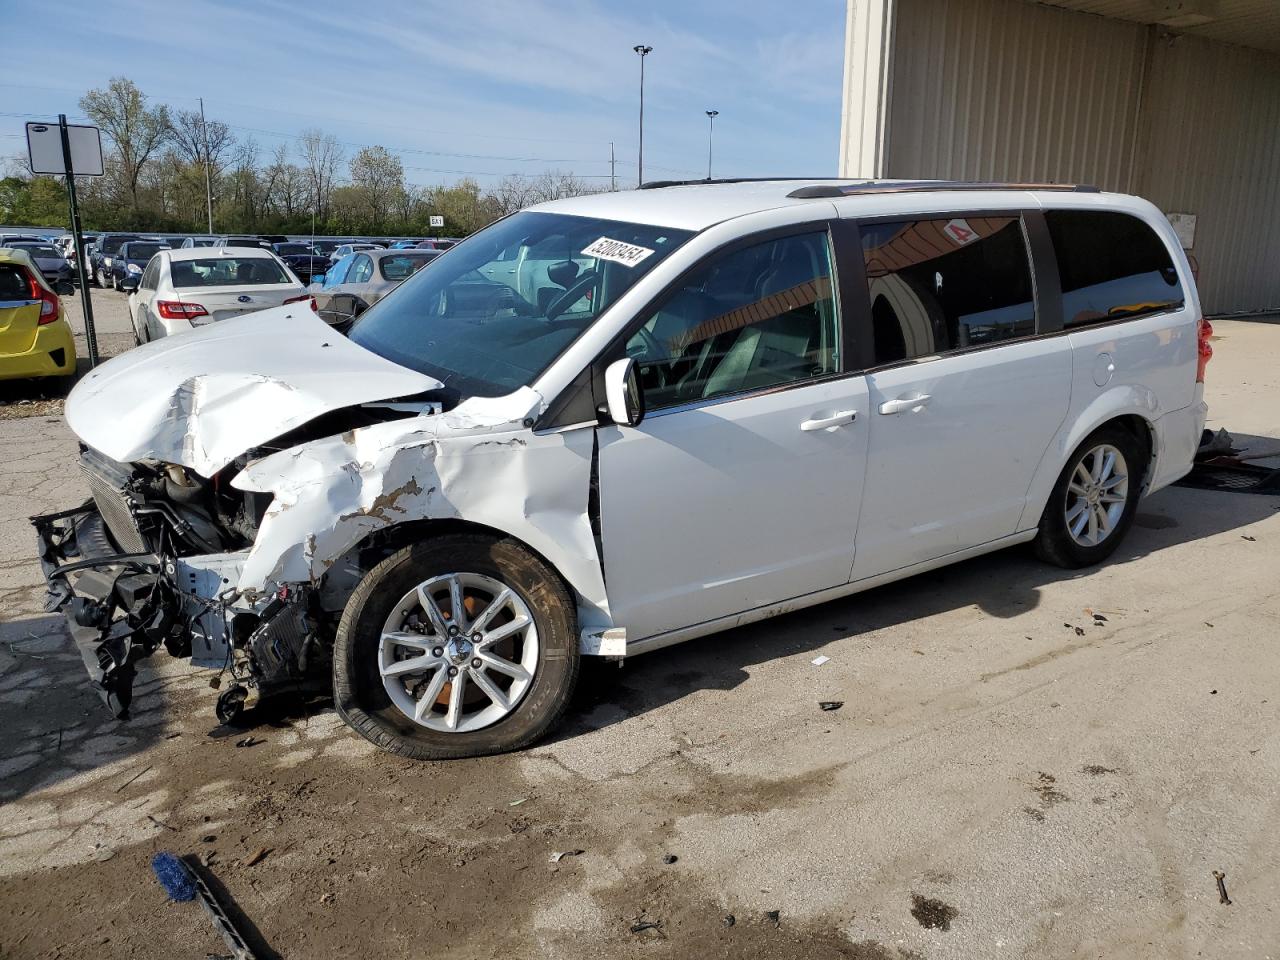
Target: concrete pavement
(997,783)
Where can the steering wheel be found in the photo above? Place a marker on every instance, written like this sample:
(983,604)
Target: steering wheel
(572,295)
(651,354)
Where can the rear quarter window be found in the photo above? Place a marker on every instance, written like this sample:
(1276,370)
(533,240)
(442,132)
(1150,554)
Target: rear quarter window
(1112,267)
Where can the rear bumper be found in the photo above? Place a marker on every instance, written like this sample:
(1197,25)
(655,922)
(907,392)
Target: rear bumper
(52,354)
(1177,440)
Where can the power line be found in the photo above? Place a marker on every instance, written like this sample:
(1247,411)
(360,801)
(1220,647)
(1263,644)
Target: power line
(414,150)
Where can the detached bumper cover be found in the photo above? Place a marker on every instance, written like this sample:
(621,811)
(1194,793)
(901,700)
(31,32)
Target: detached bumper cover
(117,605)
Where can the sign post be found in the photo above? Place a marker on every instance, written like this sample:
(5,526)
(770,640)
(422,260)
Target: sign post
(45,150)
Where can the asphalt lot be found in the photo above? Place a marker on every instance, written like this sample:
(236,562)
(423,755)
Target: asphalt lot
(997,783)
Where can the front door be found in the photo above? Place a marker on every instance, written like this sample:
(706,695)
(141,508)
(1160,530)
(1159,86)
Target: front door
(964,398)
(741,487)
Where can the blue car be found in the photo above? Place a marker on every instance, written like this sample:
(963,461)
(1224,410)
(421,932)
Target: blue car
(130,260)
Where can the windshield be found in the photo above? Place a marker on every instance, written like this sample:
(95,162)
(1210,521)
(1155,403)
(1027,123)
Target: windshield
(142,251)
(494,313)
(112,244)
(226,272)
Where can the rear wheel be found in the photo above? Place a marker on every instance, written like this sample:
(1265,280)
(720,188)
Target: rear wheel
(1094,501)
(459,646)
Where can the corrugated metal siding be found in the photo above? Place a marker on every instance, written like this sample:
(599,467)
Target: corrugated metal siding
(1005,90)
(1211,146)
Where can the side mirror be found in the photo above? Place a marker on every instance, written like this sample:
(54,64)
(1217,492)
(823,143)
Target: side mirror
(624,400)
(64,288)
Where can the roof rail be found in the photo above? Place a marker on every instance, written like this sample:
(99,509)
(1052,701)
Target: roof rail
(833,190)
(659,184)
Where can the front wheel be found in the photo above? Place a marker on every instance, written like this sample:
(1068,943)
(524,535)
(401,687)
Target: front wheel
(1094,501)
(458,646)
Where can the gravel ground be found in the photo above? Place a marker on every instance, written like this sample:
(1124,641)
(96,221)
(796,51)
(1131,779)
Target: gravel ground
(1009,774)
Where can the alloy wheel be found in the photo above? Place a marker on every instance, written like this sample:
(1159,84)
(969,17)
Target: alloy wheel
(1096,495)
(458,652)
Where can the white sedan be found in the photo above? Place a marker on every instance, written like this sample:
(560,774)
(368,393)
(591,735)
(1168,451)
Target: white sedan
(183,289)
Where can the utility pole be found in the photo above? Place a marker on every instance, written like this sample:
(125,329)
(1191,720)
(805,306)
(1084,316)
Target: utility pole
(644,52)
(208,163)
(613,174)
(711,115)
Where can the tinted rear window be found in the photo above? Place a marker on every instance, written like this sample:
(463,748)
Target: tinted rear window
(226,272)
(42,250)
(14,283)
(1112,267)
(397,268)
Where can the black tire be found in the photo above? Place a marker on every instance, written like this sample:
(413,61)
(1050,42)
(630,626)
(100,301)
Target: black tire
(358,692)
(1054,542)
(98,278)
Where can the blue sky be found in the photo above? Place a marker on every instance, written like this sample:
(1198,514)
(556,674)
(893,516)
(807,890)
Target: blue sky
(479,87)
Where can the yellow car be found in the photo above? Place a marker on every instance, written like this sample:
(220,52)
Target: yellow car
(35,338)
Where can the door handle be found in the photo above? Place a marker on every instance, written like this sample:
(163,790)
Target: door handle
(904,403)
(835,420)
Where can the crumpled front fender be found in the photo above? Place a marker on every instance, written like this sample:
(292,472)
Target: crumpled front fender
(478,463)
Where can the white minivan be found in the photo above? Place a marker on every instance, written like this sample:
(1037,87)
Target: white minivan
(612,423)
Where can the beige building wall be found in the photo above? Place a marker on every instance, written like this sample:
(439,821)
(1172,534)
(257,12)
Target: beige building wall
(1011,90)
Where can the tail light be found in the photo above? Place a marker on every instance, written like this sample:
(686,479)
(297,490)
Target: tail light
(1204,330)
(49,303)
(176,310)
(305,296)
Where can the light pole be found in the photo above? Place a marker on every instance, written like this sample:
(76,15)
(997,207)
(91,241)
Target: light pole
(644,52)
(208,162)
(711,115)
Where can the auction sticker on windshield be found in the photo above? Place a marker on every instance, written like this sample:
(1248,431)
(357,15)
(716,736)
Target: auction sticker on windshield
(627,254)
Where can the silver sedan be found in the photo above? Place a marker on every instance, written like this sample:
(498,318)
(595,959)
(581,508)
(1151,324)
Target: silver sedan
(358,281)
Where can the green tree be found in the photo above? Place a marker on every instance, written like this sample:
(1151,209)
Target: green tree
(136,131)
(378,175)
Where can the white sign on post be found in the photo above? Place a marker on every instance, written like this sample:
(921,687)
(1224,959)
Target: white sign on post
(1184,225)
(44,149)
(437,222)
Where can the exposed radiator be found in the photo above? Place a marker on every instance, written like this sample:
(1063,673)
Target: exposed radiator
(105,484)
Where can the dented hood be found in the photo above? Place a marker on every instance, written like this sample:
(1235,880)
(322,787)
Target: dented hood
(203,398)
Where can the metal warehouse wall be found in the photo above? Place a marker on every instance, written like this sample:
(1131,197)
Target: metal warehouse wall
(1211,147)
(1004,90)
(1009,90)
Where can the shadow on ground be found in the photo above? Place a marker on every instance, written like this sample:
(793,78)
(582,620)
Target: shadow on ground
(55,725)
(1002,585)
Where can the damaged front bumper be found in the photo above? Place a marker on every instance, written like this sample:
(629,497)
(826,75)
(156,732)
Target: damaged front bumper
(120,607)
(93,583)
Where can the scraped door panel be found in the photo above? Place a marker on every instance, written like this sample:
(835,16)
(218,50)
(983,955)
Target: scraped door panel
(716,510)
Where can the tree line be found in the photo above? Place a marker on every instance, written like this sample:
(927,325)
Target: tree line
(157,160)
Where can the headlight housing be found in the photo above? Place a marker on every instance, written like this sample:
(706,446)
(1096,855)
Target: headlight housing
(133,268)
